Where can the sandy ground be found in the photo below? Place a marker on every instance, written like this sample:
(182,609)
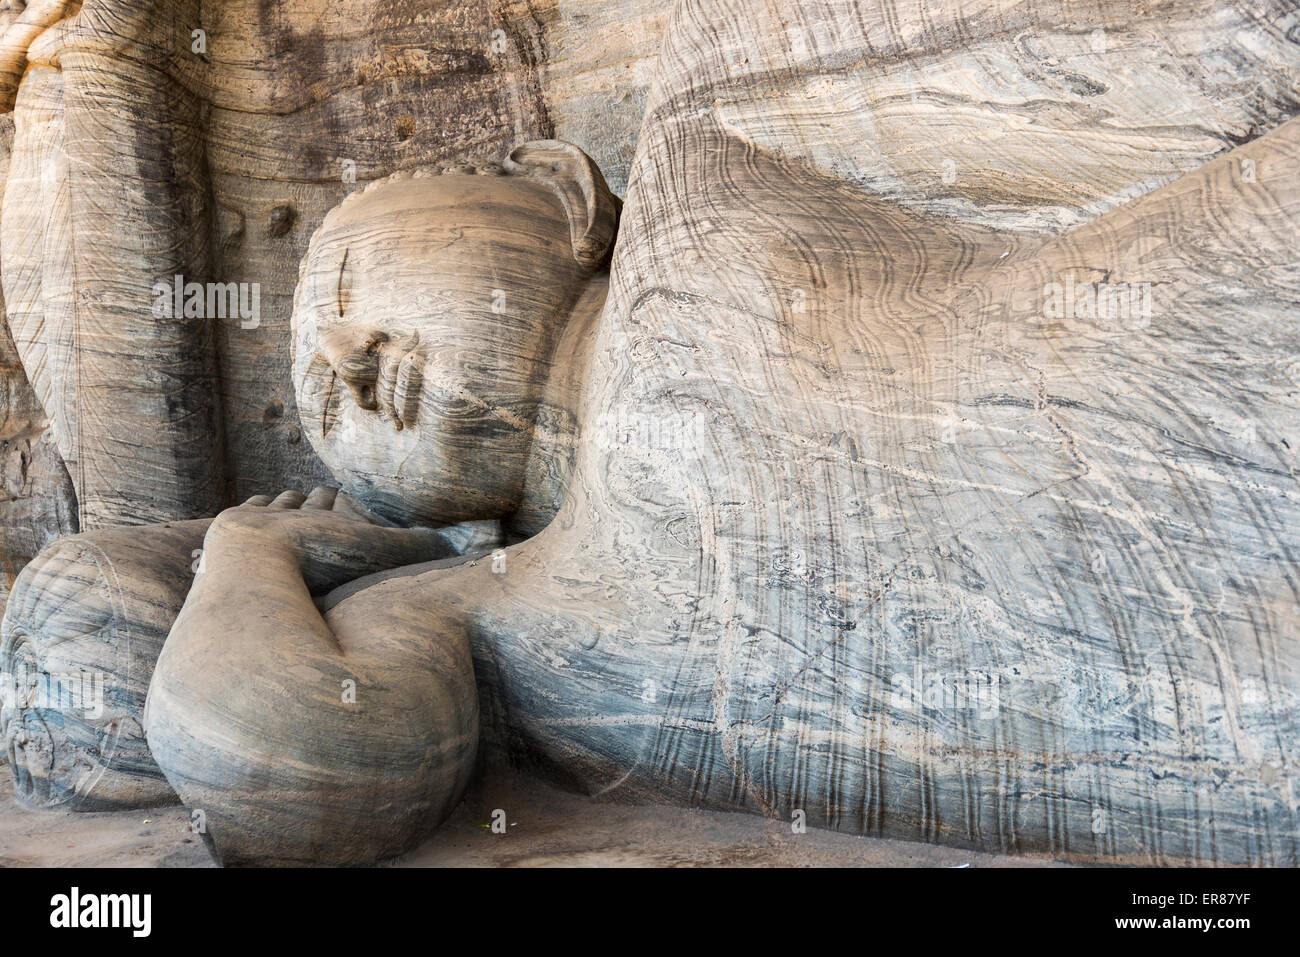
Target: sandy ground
(546,828)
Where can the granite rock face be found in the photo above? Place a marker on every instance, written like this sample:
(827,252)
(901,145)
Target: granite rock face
(921,461)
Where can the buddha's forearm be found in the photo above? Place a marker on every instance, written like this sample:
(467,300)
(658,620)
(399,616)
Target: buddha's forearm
(250,595)
(253,695)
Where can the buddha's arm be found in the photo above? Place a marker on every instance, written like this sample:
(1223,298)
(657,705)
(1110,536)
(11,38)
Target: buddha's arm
(360,734)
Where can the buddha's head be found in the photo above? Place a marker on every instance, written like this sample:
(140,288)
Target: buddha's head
(427,313)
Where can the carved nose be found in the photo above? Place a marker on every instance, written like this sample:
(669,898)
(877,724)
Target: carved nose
(355,360)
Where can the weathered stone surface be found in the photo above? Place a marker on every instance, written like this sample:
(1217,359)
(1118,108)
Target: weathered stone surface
(37,500)
(99,208)
(925,462)
(81,634)
(38,504)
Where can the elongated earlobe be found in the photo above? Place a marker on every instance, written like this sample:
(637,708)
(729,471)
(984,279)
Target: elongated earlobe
(576,179)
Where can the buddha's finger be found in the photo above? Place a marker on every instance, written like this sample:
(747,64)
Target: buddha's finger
(322,496)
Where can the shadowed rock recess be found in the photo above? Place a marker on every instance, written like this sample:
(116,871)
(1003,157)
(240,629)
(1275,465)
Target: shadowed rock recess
(879,413)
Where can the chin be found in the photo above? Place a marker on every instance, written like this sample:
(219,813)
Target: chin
(406,494)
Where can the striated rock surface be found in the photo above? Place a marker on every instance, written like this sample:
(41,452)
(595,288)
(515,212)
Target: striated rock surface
(82,630)
(929,469)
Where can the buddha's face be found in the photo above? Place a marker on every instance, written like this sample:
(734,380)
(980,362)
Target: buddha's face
(424,326)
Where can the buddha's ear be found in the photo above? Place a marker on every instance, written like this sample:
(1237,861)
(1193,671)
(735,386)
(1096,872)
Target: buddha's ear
(576,179)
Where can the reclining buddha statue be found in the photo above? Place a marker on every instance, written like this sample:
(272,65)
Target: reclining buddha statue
(440,322)
(797,500)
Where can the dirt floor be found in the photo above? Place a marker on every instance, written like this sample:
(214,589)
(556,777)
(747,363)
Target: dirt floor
(546,828)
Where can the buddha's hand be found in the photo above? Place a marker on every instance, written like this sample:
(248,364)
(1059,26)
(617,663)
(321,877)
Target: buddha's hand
(333,538)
